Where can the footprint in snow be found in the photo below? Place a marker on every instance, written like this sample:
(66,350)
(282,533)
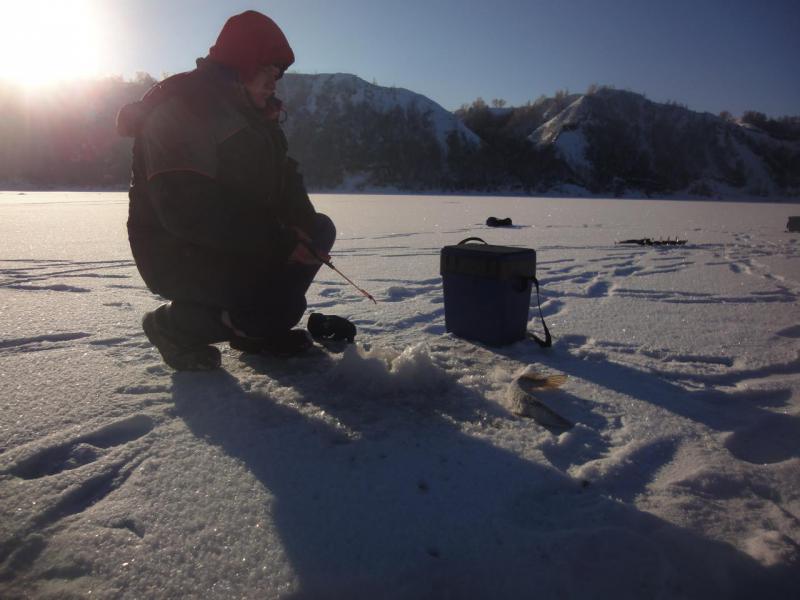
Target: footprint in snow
(599,289)
(39,340)
(770,440)
(27,536)
(81,450)
(789,332)
(400,293)
(56,287)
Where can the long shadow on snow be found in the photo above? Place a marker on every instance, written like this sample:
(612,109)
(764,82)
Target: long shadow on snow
(375,499)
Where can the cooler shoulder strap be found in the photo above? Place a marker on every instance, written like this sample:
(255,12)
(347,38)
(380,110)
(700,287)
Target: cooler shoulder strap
(548,339)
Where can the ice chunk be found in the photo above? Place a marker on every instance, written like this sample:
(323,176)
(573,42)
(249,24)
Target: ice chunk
(384,371)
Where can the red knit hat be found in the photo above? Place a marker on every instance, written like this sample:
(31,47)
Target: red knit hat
(251,40)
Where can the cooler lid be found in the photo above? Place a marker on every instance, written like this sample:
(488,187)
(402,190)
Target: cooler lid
(488,260)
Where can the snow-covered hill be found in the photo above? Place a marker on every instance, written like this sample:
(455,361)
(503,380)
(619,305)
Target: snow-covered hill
(619,142)
(348,132)
(318,95)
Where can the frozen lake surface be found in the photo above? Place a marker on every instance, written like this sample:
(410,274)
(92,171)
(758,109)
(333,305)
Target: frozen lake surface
(397,470)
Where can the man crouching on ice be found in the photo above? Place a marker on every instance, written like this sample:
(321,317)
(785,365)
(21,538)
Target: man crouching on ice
(219,218)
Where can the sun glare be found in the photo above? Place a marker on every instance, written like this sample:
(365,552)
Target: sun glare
(43,42)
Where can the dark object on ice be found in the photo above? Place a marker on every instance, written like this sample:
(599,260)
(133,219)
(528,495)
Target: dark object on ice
(652,242)
(285,344)
(487,292)
(331,327)
(793,224)
(178,349)
(495,222)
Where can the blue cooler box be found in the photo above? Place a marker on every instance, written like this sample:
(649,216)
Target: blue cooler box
(487,291)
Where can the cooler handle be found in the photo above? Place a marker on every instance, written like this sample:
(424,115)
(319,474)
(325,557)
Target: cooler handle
(471,239)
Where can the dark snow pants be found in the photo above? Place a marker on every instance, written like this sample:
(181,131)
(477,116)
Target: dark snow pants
(258,302)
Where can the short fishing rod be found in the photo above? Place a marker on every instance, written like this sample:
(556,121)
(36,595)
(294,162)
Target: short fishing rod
(328,263)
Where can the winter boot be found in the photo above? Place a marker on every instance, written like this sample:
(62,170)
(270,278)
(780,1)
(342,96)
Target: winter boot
(177,349)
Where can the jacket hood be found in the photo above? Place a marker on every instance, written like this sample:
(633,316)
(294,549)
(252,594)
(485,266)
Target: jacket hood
(250,40)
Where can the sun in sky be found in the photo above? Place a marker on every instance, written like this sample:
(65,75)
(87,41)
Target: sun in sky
(43,42)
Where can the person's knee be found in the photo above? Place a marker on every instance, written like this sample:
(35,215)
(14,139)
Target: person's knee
(325,232)
(293,312)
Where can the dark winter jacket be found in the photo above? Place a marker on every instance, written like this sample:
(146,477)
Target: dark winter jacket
(212,184)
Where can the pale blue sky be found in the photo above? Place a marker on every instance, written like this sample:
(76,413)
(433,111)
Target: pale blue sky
(711,55)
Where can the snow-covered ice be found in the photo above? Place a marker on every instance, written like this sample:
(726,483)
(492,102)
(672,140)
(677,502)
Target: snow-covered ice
(396,470)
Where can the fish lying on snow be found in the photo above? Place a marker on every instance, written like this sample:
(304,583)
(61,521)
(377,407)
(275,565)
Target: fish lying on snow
(521,400)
